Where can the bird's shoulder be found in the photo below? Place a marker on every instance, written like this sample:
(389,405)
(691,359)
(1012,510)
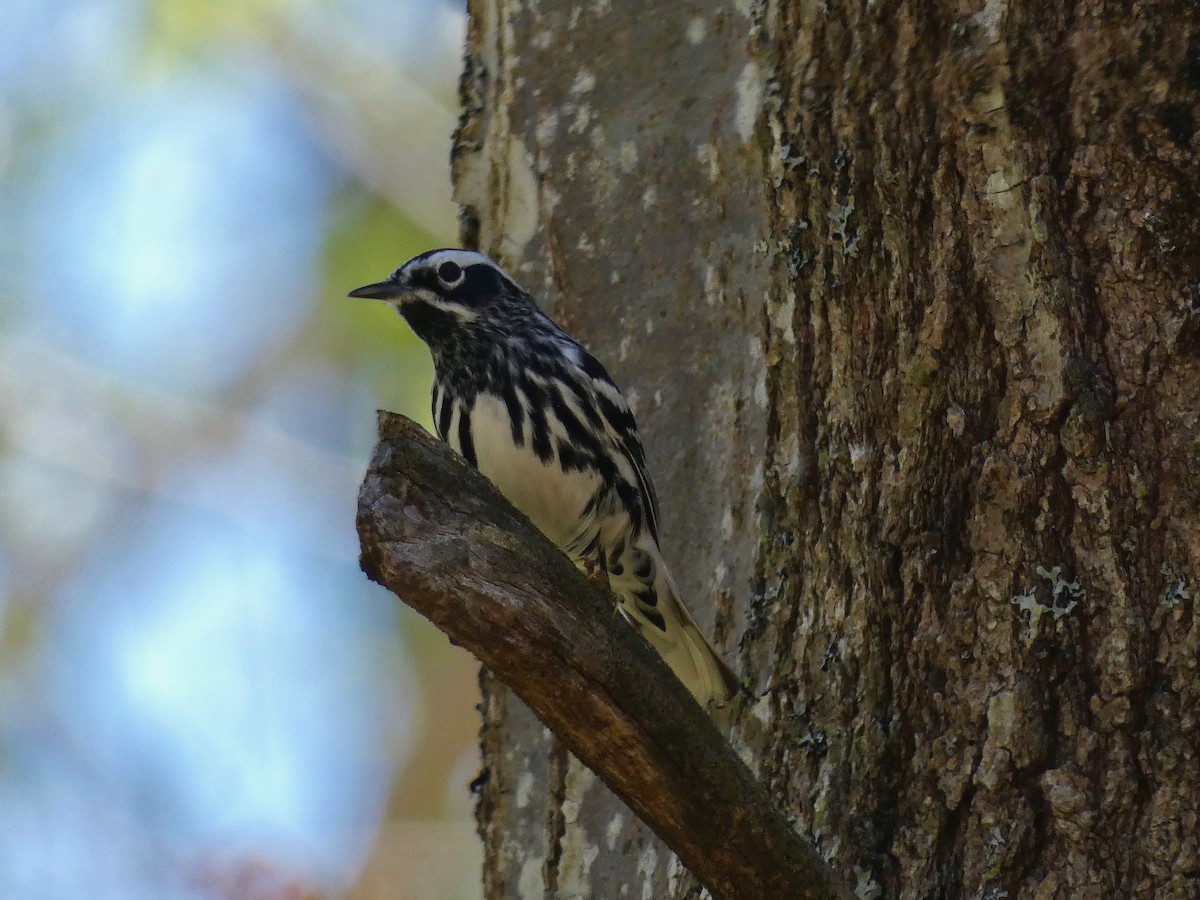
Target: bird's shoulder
(611,401)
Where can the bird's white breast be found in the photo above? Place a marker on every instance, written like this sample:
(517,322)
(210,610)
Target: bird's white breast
(552,499)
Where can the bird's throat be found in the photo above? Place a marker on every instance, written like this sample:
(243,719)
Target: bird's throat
(432,325)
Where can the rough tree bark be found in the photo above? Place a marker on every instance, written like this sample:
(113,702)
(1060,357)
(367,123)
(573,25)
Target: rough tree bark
(907,299)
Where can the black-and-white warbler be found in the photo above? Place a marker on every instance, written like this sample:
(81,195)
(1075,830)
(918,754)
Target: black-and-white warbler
(522,401)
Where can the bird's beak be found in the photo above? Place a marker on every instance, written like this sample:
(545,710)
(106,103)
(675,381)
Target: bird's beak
(381,290)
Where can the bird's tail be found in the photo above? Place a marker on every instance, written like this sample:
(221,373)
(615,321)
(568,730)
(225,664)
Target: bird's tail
(669,628)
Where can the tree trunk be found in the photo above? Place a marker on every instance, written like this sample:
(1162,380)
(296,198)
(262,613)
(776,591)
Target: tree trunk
(906,298)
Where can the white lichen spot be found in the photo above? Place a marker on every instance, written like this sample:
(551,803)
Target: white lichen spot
(1029,609)
(675,872)
(1058,587)
(761,399)
(995,838)
(956,419)
(750,86)
(649,327)
(658,398)
(547,127)
(989,17)
(706,154)
(755,482)
(590,852)
(628,156)
(584,82)
(531,885)
(1189,301)
(839,230)
(713,291)
(578,851)
(521,207)
(583,118)
(585,246)
(543,39)
(524,789)
(1032,610)
(727,524)
(1177,591)
(579,779)
(865,885)
(614,277)
(647,864)
(623,348)
(550,199)
(782,316)
(570,811)
(697,30)
(649,197)
(612,831)
(574,869)
(1000,188)
(860,454)
(754,347)
(720,573)
(763,711)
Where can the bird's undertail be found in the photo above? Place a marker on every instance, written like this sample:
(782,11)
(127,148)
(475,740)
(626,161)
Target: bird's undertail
(696,663)
(681,643)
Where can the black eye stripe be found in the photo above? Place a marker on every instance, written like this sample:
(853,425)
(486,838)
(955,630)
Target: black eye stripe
(449,272)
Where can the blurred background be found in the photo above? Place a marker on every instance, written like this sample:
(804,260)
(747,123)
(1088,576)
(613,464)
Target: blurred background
(200,694)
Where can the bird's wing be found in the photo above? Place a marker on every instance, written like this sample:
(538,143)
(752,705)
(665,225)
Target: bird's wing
(619,422)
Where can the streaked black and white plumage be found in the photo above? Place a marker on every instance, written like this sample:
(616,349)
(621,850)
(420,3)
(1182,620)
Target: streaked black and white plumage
(520,399)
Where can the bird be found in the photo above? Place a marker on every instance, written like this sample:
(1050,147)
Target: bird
(522,401)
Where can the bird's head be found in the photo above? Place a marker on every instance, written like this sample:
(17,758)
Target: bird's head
(441,293)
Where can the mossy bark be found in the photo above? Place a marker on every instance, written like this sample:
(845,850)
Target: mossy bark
(907,299)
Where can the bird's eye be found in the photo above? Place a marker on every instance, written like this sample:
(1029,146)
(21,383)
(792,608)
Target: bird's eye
(449,272)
